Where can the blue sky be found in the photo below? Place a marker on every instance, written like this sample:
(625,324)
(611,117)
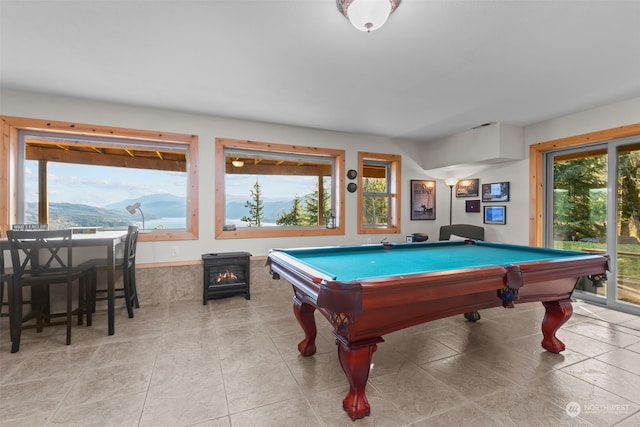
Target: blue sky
(273,187)
(101,185)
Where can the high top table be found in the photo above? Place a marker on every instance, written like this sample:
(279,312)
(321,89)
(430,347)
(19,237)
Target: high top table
(109,240)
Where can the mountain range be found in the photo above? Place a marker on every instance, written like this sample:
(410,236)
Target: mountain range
(153,206)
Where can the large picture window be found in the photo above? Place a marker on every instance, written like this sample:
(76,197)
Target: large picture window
(267,190)
(379,207)
(108,179)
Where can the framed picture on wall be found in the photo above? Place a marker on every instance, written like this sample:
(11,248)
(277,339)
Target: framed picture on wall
(495,192)
(495,215)
(472,206)
(423,199)
(467,188)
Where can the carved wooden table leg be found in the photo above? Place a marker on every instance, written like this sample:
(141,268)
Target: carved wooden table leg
(556,314)
(304,314)
(355,359)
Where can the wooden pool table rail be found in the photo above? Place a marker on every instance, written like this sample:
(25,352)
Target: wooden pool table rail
(362,311)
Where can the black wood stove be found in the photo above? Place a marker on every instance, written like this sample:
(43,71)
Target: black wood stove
(226,274)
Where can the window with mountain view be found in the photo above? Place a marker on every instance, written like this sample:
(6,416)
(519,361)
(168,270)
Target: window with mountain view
(379,207)
(265,189)
(72,180)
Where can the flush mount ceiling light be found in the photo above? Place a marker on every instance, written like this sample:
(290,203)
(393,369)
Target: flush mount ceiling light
(367,15)
(237,163)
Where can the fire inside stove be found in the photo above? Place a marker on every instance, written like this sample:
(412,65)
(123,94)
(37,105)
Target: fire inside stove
(226,276)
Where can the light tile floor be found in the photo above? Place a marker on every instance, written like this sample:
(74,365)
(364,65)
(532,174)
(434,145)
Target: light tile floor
(234,363)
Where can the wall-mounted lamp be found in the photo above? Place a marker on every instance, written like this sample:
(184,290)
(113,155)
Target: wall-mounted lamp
(367,15)
(331,220)
(132,210)
(451,182)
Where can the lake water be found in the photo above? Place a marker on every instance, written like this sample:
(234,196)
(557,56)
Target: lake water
(169,222)
(180,223)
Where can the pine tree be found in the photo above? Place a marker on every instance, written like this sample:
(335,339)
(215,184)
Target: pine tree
(375,209)
(311,207)
(255,206)
(295,216)
(629,191)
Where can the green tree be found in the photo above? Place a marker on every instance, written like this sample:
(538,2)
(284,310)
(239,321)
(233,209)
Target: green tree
(576,204)
(312,206)
(375,201)
(295,215)
(629,191)
(255,206)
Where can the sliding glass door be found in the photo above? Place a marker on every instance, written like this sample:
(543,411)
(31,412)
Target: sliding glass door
(593,205)
(628,227)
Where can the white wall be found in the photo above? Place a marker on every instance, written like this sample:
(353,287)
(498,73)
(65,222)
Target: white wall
(597,119)
(604,117)
(208,128)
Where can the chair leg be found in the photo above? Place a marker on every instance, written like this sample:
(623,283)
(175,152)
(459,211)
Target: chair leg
(15,315)
(93,286)
(81,301)
(126,279)
(85,284)
(46,298)
(134,290)
(2,295)
(69,313)
(38,304)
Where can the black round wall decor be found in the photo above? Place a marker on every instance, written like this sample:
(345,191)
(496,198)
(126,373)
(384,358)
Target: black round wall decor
(352,187)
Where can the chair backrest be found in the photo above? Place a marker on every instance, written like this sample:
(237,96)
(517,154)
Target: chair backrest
(463,230)
(2,267)
(130,245)
(41,253)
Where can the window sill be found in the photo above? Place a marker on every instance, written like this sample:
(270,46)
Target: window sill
(165,235)
(278,232)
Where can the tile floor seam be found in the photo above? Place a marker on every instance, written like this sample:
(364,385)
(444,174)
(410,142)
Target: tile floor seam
(59,405)
(637,413)
(224,383)
(337,412)
(299,386)
(433,378)
(616,366)
(602,388)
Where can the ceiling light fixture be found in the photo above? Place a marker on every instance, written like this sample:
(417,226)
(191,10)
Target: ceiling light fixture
(367,15)
(237,163)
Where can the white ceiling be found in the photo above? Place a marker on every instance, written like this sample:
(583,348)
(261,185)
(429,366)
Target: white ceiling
(436,67)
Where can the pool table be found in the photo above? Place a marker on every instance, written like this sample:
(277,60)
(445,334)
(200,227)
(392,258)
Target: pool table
(368,291)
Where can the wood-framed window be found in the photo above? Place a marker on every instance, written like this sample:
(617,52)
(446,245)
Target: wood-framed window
(379,195)
(98,165)
(537,170)
(276,190)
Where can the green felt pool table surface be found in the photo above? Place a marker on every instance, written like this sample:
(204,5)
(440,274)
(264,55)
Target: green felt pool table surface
(348,263)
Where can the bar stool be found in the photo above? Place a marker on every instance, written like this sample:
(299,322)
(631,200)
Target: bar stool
(40,259)
(127,267)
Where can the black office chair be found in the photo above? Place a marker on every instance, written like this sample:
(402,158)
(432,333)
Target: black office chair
(40,259)
(468,231)
(127,267)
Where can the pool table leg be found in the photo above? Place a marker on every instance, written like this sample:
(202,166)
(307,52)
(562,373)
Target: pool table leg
(355,359)
(304,314)
(556,314)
